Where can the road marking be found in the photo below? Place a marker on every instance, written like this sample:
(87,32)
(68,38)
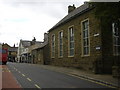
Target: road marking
(23,75)
(5,70)
(29,79)
(19,72)
(100,83)
(37,86)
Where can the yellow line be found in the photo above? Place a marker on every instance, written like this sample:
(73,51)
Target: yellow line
(93,81)
(105,85)
(37,86)
(5,70)
(29,79)
(23,75)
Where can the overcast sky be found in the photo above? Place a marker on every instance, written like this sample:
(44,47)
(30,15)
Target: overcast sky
(25,19)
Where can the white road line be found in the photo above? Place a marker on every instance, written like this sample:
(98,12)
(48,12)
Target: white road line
(37,86)
(29,79)
(23,75)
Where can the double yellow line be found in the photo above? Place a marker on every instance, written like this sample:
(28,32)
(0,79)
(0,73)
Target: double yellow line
(95,81)
(5,70)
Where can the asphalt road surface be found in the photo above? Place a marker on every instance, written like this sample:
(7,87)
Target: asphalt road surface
(34,76)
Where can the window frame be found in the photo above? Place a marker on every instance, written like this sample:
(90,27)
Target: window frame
(86,38)
(60,44)
(52,55)
(72,26)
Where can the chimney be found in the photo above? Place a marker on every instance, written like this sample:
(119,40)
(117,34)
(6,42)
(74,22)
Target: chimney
(71,8)
(45,37)
(14,45)
(33,41)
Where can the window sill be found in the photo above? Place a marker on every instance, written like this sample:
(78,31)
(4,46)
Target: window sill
(85,55)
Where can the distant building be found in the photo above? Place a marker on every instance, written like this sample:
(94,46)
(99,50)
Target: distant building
(23,50)
(12,56)
(12,52)
(39,51)
(5,45)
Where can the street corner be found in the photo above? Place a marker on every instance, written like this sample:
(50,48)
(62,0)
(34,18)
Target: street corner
(8,80)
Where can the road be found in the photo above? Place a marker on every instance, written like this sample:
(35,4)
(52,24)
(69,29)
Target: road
(33,76)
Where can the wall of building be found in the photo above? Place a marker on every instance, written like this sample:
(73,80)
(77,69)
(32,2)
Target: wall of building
(78,61)
(46,54)
(107,45)
(37,56)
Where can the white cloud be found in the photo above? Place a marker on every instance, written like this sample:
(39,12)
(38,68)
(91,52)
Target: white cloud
(23,19)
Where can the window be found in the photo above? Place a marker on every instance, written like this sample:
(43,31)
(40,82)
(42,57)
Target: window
(60,44)
(3,51)
(71,41)
(116,39)
(85,38)
(53,46)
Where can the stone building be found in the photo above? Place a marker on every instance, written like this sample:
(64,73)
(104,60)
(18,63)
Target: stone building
(33,51)
(81,40)
(23,54)
(39,51)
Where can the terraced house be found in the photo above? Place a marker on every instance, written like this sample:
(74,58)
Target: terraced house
(39,51)
(79,40)
(35,52)
(23,54)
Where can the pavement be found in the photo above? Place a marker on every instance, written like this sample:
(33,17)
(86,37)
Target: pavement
(7,80)
(106,79)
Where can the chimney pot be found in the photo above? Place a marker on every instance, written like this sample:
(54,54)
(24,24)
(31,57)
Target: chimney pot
(71,8)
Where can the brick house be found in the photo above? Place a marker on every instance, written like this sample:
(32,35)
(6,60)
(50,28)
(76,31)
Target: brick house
(80,40)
